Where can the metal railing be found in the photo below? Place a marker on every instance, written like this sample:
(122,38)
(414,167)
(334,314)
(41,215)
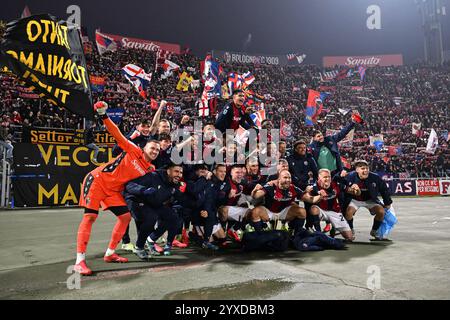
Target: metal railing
(6,180)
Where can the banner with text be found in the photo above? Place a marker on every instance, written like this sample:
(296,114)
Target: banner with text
(67,137)
(403,187)
(51,175)
(366,61)
(47,56)
(444,187)
(247,58)
(148,45)
(427,187)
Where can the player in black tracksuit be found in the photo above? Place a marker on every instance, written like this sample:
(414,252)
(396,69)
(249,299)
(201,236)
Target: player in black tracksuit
(154,198)
(210,194)
(302,166)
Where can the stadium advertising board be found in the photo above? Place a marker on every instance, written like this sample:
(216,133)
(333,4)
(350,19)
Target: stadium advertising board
(403,187)
(367,61)
(149,45)
(51,175)
(427,187)
(246,58)
(445,187)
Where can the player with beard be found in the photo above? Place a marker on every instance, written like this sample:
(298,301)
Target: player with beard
(279,204)
(159,193)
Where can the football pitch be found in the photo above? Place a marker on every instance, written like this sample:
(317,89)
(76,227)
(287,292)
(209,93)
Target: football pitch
(38,247)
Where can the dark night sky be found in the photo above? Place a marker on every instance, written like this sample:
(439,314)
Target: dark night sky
(314,27)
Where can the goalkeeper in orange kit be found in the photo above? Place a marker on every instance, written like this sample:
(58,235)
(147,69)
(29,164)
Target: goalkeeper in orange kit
(103,187)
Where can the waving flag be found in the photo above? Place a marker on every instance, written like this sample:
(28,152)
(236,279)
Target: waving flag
(97,83)
(138,78)
(248,78)
(184,82)
(328,75)
(26,12)
(432,142)
(362,72)
(258,117)
(104,43)
(161,57)
(314,106)
(241,136)
(237,81)
(394,150)
(285,130)
(344,73)
(344,111)
(296,57)
(153,104)
(211,75)
(234,82)
(203,107)
(195,84)
(446,135)
(168,67)
(377,141)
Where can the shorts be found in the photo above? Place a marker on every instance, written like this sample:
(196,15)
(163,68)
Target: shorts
(278,216)
(336,219)
(201,230)
(236,213)
(93,195)
(364,204)
(244,199)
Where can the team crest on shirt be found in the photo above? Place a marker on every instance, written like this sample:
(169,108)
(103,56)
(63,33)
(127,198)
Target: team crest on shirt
(88,200)
(282,198)
(305,163)
(374,184)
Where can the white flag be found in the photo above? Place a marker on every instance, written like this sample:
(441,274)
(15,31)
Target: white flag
(344,111)
(416,127)
(169,67)
(432,142)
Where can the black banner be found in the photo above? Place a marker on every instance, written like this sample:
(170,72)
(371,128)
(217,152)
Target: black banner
(48,57)
(69,137)
(51,175)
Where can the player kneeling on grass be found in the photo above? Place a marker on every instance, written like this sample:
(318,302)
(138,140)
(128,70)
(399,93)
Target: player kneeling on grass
(279,202)
(104,185)
(159,193)
(327,198)
(367,187)
(229,196)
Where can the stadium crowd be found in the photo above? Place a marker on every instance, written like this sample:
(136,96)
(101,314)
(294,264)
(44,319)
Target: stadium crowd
(308,184)
(390,100)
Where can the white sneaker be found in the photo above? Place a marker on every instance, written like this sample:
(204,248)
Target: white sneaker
(129,247)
